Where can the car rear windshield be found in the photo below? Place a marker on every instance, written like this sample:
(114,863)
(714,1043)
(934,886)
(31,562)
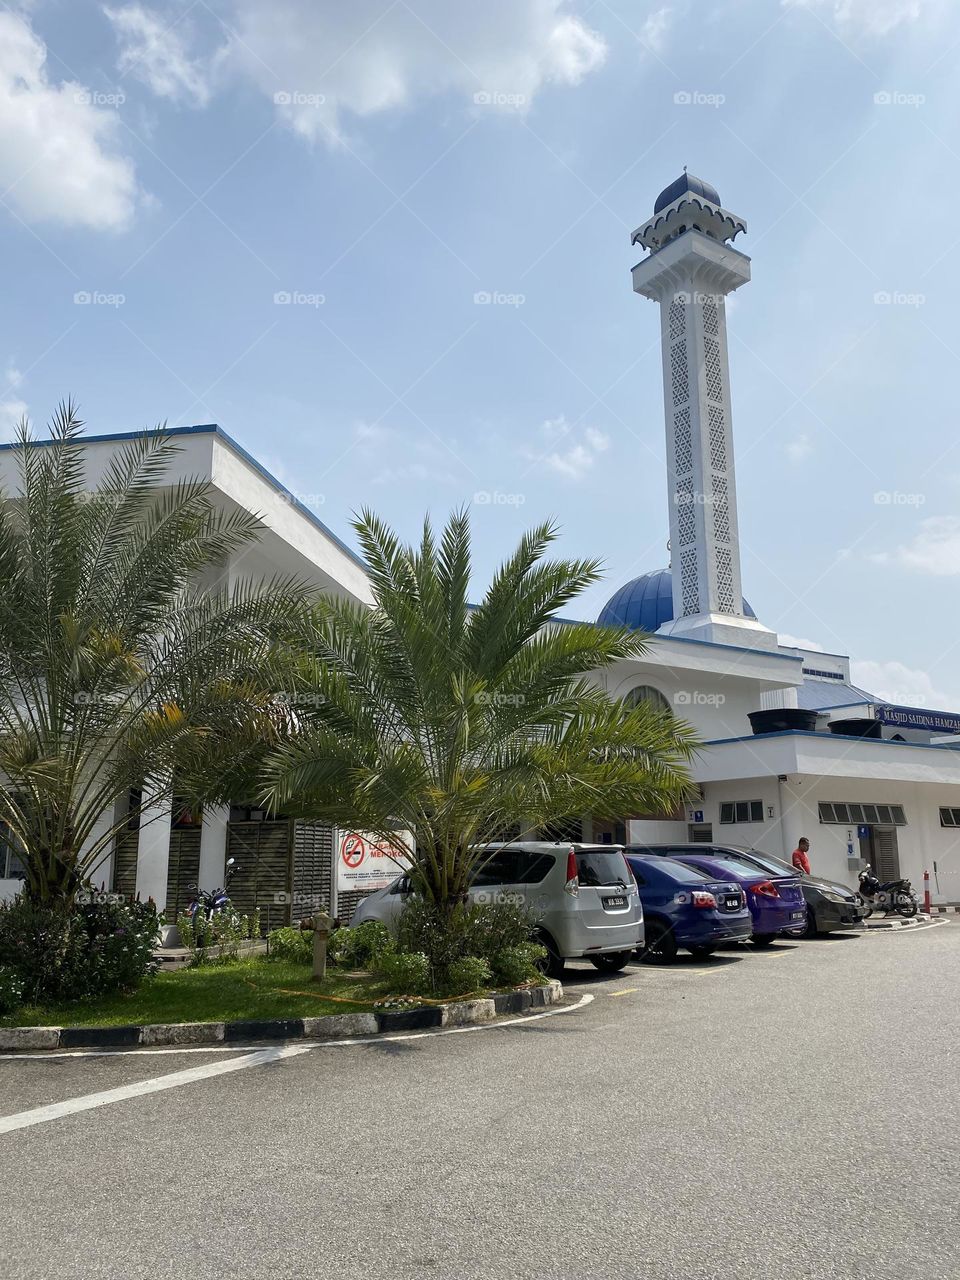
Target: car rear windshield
(736,864)
(771,864)
(598,867)
(678,871)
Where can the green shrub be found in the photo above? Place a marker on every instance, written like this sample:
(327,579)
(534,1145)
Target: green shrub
(101,945)
(407,973)
(225,930)
(291,944)
(361,946)
(469,973)
(470,930)
(517,964)
(11,989)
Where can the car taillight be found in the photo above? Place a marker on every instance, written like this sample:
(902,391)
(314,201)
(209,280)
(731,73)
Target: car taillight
(703,899)
(573,878)
(765,889)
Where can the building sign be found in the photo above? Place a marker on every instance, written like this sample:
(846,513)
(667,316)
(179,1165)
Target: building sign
(919,718)
(366,863)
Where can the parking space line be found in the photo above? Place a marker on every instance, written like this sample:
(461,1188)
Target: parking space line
(89,1101)
(628,991)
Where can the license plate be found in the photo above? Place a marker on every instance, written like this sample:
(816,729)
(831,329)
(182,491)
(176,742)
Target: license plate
(798,915)
(732,903)
(619,901)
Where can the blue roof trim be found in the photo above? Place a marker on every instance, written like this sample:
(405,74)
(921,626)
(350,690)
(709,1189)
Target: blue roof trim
(214,429)
(831,737)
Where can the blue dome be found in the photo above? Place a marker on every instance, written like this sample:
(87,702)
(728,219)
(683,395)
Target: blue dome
(686,182)
(645,603)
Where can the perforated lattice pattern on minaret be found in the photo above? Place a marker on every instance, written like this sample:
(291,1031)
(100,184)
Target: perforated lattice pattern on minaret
(721,509)
(677,320)
(711,364)
(686,514)
(711,319)
(682,443)
(679,374)
(718,440)
(688,582)
(725,579)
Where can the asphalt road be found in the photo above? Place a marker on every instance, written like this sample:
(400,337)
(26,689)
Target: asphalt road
(781,1115)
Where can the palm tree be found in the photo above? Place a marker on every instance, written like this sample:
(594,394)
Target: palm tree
(460,722)
(120,666)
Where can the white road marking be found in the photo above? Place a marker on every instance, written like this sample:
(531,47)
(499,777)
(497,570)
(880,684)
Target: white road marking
(56,1110)
(260,1057)
(45,1055)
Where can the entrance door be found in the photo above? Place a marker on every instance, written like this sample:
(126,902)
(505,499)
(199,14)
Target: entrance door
(264,865)
(886,854)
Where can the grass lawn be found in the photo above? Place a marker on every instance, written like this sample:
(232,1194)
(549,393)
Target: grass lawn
(247,989)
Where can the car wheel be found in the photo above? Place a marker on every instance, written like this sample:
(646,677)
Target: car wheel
(613,962)
(813,929)
(660,945)
(762,939)
(551,965)
(701,953)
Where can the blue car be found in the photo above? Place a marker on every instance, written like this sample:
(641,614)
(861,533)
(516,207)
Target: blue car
(685,908)
(776,902)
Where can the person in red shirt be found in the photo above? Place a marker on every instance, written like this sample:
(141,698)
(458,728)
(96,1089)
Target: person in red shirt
(800,859)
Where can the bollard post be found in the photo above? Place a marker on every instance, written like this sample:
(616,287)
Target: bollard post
(926,892)
(321,932)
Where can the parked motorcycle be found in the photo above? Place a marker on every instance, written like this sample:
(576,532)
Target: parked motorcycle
(895,895)
(211,902)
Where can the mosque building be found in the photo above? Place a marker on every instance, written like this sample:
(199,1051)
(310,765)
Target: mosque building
(793,748)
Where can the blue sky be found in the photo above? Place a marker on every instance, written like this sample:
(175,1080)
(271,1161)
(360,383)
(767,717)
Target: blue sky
(381,164)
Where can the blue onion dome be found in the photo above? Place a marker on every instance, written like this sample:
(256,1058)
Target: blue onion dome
(645,603)
(687,182)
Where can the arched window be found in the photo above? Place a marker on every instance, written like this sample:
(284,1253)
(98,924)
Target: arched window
(646,693)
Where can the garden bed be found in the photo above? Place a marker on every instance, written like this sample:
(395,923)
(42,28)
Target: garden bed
(247,989)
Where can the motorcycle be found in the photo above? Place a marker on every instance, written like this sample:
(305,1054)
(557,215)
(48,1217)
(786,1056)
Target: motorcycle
(895,895)
(208,903)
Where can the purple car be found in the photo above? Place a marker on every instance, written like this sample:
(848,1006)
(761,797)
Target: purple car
(776,902)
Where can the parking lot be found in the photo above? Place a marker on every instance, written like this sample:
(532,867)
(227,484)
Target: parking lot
(788,1113)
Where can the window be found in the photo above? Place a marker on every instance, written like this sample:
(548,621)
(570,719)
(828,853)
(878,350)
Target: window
(884,815)
(646,693)
(595,868)
(11,866)
(950,817)
(741,811)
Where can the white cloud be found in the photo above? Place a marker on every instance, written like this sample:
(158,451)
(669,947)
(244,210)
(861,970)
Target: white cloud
(59,159)
(902,685)
(319,62)
(934,550)
(871,17)
(12,408)
(579,455)
(797,642)
(153,47)
(654,30)
(799,449)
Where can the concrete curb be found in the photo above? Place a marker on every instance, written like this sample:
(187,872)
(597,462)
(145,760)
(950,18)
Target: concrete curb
(335,1026)
(915,922)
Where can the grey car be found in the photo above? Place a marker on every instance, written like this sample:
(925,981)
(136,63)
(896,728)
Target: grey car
(582,899)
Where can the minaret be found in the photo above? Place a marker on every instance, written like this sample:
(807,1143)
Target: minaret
(690,270)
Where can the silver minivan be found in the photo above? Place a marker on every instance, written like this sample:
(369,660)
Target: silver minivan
(582,897)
